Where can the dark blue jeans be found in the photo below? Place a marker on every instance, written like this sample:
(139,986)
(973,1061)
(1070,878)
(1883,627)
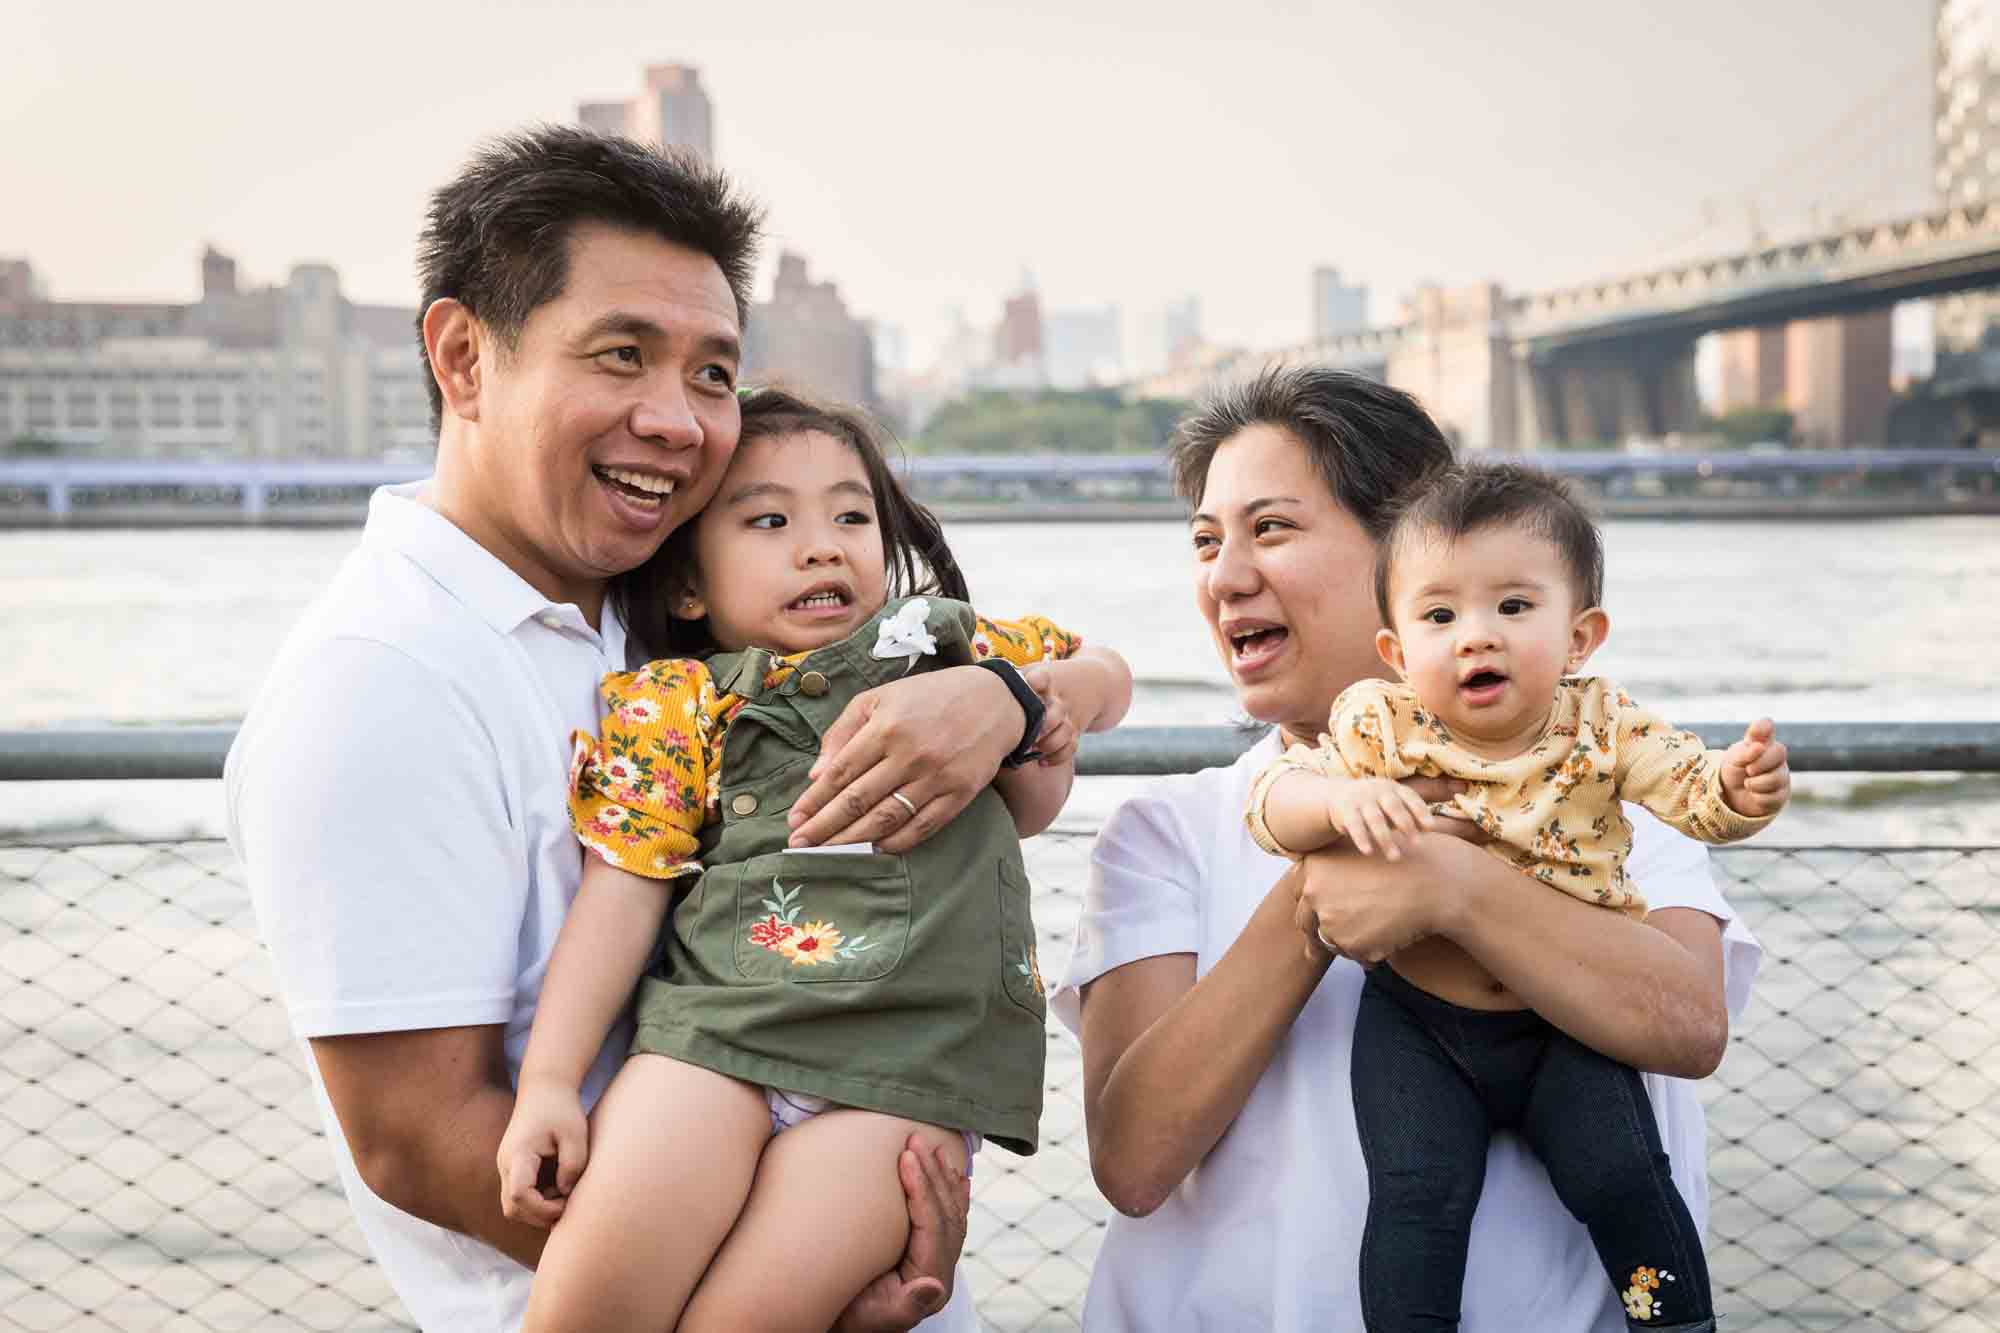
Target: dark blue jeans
(1432,1081)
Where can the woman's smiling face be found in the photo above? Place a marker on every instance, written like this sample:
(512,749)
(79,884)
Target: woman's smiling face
(1283,578)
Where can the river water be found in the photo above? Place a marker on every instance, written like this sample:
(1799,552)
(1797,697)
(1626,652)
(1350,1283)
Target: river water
(1873,620)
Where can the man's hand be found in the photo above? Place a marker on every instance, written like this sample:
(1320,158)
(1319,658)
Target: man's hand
(1756,780)
(940,1198)
(1376,813)
(1057,742)
(548,1123)
(935,740)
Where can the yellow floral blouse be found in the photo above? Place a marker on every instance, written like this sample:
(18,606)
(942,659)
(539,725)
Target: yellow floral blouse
(640,796)
(1551,811)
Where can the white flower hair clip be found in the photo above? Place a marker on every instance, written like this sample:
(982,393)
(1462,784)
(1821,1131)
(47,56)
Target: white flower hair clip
(905,634)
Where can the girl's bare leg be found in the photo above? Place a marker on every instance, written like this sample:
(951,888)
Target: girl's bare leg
(826,1217)
(673,1150)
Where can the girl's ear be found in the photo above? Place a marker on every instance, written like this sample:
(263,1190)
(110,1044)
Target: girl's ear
(1587,634)
(1390,649)
(686,604)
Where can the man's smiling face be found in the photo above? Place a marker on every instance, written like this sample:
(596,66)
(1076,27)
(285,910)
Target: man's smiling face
(610,420)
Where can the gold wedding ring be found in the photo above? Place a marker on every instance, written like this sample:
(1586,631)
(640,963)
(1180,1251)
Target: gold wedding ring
(904,801)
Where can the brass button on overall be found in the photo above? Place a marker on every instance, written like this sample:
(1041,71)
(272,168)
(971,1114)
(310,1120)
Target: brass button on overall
(744,804)
(812,684)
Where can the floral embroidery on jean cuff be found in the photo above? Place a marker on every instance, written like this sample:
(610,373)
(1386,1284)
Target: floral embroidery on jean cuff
(1028,967)
(806,944)
(1641,1300)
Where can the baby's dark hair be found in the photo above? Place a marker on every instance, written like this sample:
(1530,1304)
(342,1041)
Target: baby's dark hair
(1453,501)
(914,552)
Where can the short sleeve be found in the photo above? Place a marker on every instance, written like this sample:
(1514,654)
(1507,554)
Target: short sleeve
(1142,899)
(1672,870)
(1029,639)
(639,791)
(389,874)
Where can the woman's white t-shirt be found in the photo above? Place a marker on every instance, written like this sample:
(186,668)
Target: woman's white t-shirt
(1266,1232)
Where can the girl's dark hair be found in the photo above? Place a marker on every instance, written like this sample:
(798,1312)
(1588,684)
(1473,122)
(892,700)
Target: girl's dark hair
(1470,497)
(913,546)
(497,235)
(1368,442)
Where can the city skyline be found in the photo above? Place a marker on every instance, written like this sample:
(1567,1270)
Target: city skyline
(1069,146)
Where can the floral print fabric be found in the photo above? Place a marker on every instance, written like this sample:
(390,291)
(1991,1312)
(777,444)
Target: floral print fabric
(1552,811)
(642,789)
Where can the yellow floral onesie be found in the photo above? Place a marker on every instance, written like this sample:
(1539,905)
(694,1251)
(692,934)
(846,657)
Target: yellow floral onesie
(1552,811)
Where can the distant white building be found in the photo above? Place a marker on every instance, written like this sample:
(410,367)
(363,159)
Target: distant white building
(279,372)
(1081,348)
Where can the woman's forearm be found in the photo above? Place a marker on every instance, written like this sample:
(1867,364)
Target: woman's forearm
(1632,991)
(600,953)
(1166,1073)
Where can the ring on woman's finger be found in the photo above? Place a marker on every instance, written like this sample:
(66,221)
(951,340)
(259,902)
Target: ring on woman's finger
(905,802)
(1331,946)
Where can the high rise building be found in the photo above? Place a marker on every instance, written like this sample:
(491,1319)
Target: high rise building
(1966,141)
(1017,340)
(672,110)
(1336,307)
(804,336)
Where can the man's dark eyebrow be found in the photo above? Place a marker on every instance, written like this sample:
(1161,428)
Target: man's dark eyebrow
(624,323)
(1262,502)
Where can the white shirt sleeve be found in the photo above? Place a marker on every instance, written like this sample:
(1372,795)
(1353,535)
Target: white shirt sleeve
(388,874)
(1673,871)
(1142,900)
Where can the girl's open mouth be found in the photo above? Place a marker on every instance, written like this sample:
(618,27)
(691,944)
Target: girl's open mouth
(1482,687)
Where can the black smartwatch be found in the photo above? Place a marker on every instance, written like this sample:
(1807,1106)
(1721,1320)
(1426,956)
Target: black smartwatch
(1031,705)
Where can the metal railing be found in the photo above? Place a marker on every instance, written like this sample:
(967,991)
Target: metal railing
(161,1161)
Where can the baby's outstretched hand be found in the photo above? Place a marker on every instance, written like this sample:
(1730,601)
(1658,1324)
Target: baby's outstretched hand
(1756,780)
(1376,813)
(548,1122)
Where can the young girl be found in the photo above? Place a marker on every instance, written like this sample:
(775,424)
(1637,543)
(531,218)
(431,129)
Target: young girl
(1489,583)
(805,1010)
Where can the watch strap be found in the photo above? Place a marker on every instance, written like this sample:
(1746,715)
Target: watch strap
(1032,708)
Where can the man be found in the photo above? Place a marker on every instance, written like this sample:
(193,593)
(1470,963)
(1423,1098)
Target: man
(397,793)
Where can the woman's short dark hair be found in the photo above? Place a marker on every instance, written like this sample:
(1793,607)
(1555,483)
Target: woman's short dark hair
(496,238)
(1369,442)
(1470,497)
(914,551)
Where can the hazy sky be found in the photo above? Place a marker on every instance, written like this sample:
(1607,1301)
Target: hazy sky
(925,155)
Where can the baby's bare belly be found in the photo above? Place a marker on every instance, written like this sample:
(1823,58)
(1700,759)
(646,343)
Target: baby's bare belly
(1439,967)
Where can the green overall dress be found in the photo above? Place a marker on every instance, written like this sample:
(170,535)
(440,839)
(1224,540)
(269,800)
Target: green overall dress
(902,984)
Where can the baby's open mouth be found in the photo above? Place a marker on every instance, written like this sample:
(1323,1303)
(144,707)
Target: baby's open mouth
(1482,680)
(640,488)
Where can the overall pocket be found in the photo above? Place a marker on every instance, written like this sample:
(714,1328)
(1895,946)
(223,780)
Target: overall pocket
(1020,971)
(804,916)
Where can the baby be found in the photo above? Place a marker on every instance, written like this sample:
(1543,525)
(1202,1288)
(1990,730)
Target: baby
(1489,581)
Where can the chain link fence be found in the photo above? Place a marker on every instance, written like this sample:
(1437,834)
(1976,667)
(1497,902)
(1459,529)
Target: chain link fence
(161,1163)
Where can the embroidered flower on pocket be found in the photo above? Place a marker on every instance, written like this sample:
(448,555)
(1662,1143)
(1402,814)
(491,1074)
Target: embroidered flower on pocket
(1029,968)
(808,944)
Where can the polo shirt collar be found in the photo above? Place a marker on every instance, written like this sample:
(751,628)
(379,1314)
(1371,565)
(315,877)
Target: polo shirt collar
(400,521)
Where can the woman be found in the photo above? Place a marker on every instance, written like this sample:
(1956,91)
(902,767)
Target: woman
(1216,1038)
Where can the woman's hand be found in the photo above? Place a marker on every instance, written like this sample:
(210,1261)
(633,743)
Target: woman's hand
(934,741)
(1368,908)
(548,1122)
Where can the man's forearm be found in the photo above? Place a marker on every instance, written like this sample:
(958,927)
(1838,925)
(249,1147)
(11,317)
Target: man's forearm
(423,1112)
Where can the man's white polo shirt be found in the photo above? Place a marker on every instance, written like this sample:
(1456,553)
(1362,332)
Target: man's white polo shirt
(397,798)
